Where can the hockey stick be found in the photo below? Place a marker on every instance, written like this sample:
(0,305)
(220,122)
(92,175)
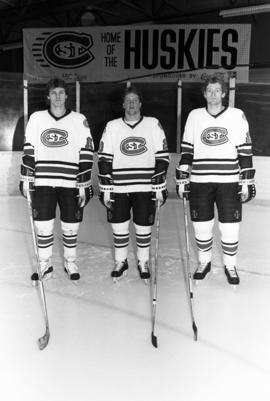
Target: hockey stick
(42,341)
(154,284)
(194,327)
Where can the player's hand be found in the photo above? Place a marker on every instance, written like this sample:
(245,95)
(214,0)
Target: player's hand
(182,183)
(106,191)
(85,194)
(159,188)
(27,181)
(247,189)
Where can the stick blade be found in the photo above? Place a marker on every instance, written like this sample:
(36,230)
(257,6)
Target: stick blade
(44,340)
(154,340)
(195,331)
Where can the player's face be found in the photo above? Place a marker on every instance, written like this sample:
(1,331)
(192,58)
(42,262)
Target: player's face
(213,94)
(132,104)
(57,97)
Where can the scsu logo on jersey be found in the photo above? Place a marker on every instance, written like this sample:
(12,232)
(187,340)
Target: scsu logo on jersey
(133,146)
(54,138)
(214,136)
(64,49)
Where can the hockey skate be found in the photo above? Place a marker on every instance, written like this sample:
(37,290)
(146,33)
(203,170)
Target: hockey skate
(144,271)
(120,270)
(71,269)
(202,271)
(46,270)
(231,275)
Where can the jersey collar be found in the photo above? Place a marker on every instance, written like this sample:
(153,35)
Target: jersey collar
(132,125)
(68,111)
(217,115)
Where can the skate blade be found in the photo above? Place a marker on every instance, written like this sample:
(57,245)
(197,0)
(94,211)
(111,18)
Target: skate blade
(116,279)
(197,282)
(234,286)
(200,281)
(74,282)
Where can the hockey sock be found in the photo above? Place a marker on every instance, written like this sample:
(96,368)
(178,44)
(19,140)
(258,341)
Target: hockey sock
(143,241)
(70,235)
(44,230)
(120,240)
(204,239)
(229,241)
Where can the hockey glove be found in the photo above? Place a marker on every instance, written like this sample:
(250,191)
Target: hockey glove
(85,188)
(159,188)
(247,189)
(182,183)
(27,180)
(106,188)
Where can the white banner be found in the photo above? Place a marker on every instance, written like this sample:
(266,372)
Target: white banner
(115,54)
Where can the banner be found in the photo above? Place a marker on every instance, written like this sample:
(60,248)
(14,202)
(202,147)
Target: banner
(120,53)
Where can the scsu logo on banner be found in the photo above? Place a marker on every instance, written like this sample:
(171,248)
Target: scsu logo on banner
(63,49)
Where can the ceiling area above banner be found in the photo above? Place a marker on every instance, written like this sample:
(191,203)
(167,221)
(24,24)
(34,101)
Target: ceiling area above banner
(18,14)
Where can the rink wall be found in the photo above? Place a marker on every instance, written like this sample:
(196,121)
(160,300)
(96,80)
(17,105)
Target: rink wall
(10,175)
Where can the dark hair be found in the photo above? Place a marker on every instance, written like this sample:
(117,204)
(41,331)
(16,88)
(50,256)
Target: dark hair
(55,83)
(132,89)
(213,79)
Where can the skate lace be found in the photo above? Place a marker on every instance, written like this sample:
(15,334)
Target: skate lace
(144,267)
(119,265)
(232,271)
(44,265)
(202,267)
(72,267)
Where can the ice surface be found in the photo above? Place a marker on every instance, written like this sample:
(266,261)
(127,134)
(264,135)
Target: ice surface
(100,346)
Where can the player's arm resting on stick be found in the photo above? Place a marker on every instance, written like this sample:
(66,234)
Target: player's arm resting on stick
(247,189)
(105,182)
(84,184)
(158,180)
(27,179)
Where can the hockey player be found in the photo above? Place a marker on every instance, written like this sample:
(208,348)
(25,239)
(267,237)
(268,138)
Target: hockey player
(216,168)
(133,163)
(56,169)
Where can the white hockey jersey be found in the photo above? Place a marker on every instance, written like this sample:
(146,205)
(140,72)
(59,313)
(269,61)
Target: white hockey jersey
(58,145)
(133,151)
(214,144)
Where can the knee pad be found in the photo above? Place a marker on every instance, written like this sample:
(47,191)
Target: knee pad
(121,239)
(143,241)
(70,228)
(229,232)
(121,228)
(44,227)
(204,239)
(70,233)
(203,229)
(143,235)
(120,234)
(44,231)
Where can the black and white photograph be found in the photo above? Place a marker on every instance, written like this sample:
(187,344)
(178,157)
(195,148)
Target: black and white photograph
(134,200)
